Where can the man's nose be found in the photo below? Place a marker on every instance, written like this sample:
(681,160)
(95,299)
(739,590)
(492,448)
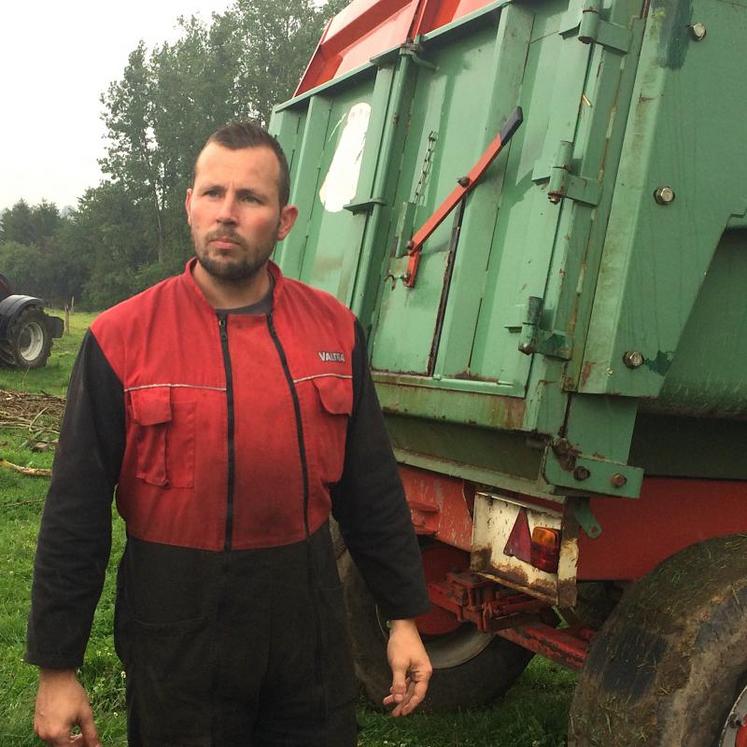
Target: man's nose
(227,210)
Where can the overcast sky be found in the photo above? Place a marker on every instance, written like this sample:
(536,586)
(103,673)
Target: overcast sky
(56,58)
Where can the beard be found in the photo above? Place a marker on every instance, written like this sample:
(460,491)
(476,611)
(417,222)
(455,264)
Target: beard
(233,270)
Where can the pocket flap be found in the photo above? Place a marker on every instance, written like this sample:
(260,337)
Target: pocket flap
(151,406)
(336,394)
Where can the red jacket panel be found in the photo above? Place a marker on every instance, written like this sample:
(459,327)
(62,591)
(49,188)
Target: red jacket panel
(213,461)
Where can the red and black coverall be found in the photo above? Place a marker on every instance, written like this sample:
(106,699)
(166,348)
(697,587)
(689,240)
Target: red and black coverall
(229,438)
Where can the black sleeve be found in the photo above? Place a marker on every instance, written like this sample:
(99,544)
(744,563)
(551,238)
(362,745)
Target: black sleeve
(75,534)
(369,504)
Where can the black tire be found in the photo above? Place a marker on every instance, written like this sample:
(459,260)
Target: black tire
(482,667)
(29,340)
(671,662)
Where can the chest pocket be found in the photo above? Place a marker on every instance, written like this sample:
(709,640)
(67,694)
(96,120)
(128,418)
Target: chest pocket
(164,433)
(330,406)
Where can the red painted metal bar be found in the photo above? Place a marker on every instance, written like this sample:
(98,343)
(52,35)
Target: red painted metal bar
(567,646)
(465,186)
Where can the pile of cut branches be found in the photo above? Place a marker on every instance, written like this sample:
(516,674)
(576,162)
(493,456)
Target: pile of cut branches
(37,415)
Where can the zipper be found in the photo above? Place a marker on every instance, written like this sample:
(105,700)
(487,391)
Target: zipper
(223,328)
(299,423)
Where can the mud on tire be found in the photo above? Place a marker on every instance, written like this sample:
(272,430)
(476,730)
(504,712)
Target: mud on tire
(671,660)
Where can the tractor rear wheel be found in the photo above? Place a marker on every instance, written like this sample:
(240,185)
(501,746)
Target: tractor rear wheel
(29,340)
(669,667)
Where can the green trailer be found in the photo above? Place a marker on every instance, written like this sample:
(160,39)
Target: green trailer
(538,211)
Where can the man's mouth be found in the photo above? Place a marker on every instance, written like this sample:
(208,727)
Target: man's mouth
(224,241)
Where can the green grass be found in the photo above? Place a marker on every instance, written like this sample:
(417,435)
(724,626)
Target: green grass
(533,713)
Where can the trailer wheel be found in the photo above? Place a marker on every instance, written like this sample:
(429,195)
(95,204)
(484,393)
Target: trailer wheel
(669,667)
(29,340)
(469,668)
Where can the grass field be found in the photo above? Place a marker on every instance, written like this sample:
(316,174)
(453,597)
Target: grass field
(533,714)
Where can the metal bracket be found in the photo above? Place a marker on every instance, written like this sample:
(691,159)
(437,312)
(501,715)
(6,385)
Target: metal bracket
(566,467)
(586,519)
(593,30)
(364,206)
(414,50)
(563,184)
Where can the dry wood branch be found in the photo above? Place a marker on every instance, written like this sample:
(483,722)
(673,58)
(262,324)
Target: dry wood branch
(30,471)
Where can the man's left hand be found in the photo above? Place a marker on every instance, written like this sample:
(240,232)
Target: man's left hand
(411,667)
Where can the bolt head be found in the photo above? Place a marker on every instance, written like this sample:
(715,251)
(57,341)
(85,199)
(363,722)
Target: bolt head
(664,195)
(618,480)
(698,31)
(581,473)
(633,359)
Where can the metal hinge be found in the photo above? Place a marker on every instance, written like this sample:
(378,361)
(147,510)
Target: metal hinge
(553,344)
(564,184)
(593,30)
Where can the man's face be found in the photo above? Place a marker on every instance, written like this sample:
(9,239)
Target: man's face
(234,211)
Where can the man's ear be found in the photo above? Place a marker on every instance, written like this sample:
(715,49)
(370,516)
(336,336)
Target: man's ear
(288,215)
(187,204)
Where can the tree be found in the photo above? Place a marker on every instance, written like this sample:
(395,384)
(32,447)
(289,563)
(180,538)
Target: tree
(277,38)
(161,112)
(132,157)
(18,224)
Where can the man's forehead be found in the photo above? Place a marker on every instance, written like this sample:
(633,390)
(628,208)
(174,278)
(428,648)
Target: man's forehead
(216,160)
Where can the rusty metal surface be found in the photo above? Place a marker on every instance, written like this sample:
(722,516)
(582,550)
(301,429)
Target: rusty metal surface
(486,604)
(441,506)
(568,647)
(494,518)
(451,400)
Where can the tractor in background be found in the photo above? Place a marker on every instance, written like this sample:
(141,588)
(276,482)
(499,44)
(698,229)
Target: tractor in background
(26,330)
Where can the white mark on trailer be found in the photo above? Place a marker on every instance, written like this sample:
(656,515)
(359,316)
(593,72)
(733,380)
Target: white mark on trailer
(341,182)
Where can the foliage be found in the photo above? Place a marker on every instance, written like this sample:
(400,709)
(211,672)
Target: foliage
(130,231)
(35,225)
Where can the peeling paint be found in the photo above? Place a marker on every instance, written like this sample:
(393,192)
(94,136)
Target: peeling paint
(660,365)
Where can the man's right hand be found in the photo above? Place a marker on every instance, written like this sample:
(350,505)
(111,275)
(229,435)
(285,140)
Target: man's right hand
(61,704)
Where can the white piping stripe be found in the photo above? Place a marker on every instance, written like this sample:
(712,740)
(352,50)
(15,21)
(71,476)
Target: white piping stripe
(175,386)
(322,376)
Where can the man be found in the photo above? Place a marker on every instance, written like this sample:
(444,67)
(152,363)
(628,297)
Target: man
(232,408)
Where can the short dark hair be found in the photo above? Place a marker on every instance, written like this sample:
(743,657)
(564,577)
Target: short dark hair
(248,134)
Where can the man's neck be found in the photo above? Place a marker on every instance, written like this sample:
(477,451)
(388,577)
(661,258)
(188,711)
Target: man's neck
(225,295)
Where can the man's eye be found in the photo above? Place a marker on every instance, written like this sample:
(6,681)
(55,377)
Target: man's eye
(250,198)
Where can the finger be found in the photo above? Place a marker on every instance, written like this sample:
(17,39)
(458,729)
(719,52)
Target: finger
(415,697)
(88,730)
(400,704)
(394,698)
(399,681)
